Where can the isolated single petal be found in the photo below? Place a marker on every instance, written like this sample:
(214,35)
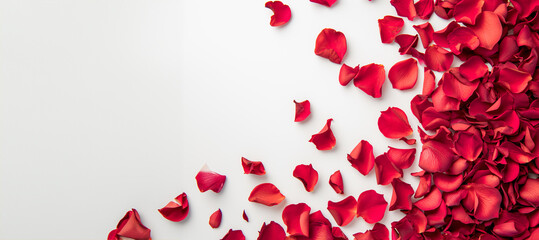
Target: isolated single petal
(438,59)
(393,123)
(331,44)
(296,219)
(267,194)
(403,75)
(307,175)
(401,198)
(405,8)
(401,158)
(252,167)
(324,140)
(234,235)
(389,28)
(303,110)
(244,216)
(271,231)
(462,38)
(176,211)
(130,226)
(371,206)
(215,218)
(370,79)
(327,3)
(281,13)
(343,211)
(335,181)
(347,73)
(208,180)
(385,170)
(362,157)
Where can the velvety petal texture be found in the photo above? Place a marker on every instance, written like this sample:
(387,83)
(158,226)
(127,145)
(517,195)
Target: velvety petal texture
(215,219)
(401,198)
(252,167)
(303,110)
(437,58)
(371,206)
(267,194)
(324,140)
(393,123)
(343,211)
(307,175)
(362,157)
(281,13)
(347,73)
(271,231)
(370,79)
(296,219)
(390,27)
(403,75)
(378,232)
(176,211)
(336,182)
(209,180)
(234,235)
(331,44)
(130,226)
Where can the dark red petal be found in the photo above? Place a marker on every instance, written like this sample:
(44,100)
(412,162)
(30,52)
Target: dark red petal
(208,180)
(401,198)
(245,217)
(410,141)
(362,157)
(529,191)
(436,157)
(252,167)
(462,38)
(393,123)
(429,82)
(272,231)
(378,232)
(307,175)
(473,68)
(425,32)
(483,201)
(468,145)
(267,194)
(324,140)
(327,3)
(296,219)
(455,86)
(319,227)
(281,13)
(176,211)
(370,79)
(403,75)
(331,44)
(130,226)
(513,79)
(447,183)
(424,8)
(338,234)
(442,102)
(335,181)
(347,73)
(424,185)
(525,7)
(405,8)
(431,201)
(389,28)
(385,170)
(438,59)
(303,110)
(344,211)
(488,29)
(371,206)
(407,43)
(401,158)
(437,217)
(466,11)
(215,218)
(234,235)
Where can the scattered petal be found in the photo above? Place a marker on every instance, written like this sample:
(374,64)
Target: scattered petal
(488,29)
(403,75)
(362,157)
(281,13)
(429,82)
(424,8)
(335,181)
(324,140)
(393,123)
(385,170)
(407,43)
(303,110)
(331,44)
(401,198)
(447,183)
(466,11)
(176,211)
(267,194)
(405,8)
(252,167)
(431,201)
(401,158)
(389,28)
(344,211)
(245,217)
(296,219)
(234,235)
(425,32)
(327,3)
(473,68)
(307,175)
(130,226)
(513,79)
(438,59)
(370,79)
(378,232)
(215,218)
(208,180)
(272,231)
(347,73)
(371,206)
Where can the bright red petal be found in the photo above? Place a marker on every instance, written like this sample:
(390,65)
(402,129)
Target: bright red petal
(488,29)
(378,232)
(462,38)
(438,59)
(338,234)
(407,43)
(130,226)
(405,8)
(252,167)
(362,157)
(424,8)
(176,212)
(403,75)
(327,3)
(389,28)
(344,211)
(370,79)
(393,123)
(513,79)
(215,218)
(296,219)
(234,235)
(447,183)
(483,201)
(303,110)
(267,194)
(307,175)
(385,170)
(401,158)
(402,192)
(371,206)
(272,231)
(208,180)
(335,181)
(347,73)
(331,44)
(468,145)
(473,68)
(425,32)
(466,11)
(429,82)
(324,140)
(281,13)
(431,201)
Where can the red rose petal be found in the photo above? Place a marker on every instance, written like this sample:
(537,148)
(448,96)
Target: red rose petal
(393,123)
(244,216)
(272,231)
(371,206)
(362,157)
(425,32)
(483,201)
(324,140)
(130,226)
(267,194)
(468,145)
(403,75)
(510,224)
(296,219)
(455,86)
(436,156)
(338,234)
(442,102)
(401,198)
(447,183)
(466,11)
(440,37)
(473,68)
(303,110)
(408,141)
(424,185)
(378,232)
(401,158)
(462,38)
(234,235)
(488,29)
(438,59)
(208,180)
(215,219)
(405,8)
(424,8)
(431,201)
(335,181)
(327,3)
(429,82)
(389,28)
(331,44)
(385,170)
(347,73)
(176,212)
(407,43)
(437,217)
(319,227)
(343,211)
(514,80)
(370,79)
(281,13)
(307,175)
(252,167)
(529,192)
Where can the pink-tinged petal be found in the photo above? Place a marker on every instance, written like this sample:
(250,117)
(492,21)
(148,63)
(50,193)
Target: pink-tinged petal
(335,181)
(343,211)
(429,82)
(208,180)
(327,3)
(488,29)
(244,216)
(347,73)
(371,206)
(431,201)
(401,198)
(252,167)
(466,11)
(425,32)
(473,68)
(307,175)
(510,224)
(362,157)
(385,170)
(303,110)
(296,219)
(438,59)
(331,44)
(436,157)
(393,123)
(447,183)
(483,201)
(423,188)
(215,219)
(468,145)
(378,232)
(370,79)
(272,231)
(424,8)
(462,38)
(130,226)
(530,191)
(407,43)
(338,234)
(267,194)
(176,211)
(405,8)
(234,235)
(281,13)
(403,75)
(507,123)
(389,28)
(513,79)
(324,140)
(401,158)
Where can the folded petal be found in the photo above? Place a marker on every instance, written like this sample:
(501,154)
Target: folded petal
(401,158)
(307,175)
(324,140)
(385,170)
(429,82)
(347,73)
(447,183)
(436,157)
(371,206)
(343,211)
(272,231)
(466,11)
(405,8)
(425,32)
(296,219)
(440,37)
(215,219)
(370,79)
(389,28)
(234,235)
(281,13)
(438,59)
(319,227)
(393,123)
(529,191)
(331,44)
(488,29)
(252,167)
(130,226)
(407,43)
(362,157)
(267,194)
(335,181)
(208,180)
(424,8)
(303,110)
(327,3)
(176,211)
(425,181)
(468,145)
(484,201)
(403,75)
(462,38)
(244,216)
(401,198)
(378,232)
(338,234)
(431,201)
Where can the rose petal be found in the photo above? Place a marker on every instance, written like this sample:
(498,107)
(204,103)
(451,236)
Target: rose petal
(408,141)
(429,82)
(440,37)
(456,86)
(347,73)
(401,198)
(431,201)
(442,102)
(343,211)
(252,167)
(468,145)
(371,206)
(338,234)
(424,185)
(267,194)
(130,226)
(437,217)
(407,43)
(529,191)
(425,32)
(176,211)
(331,44)
(370,79)
(327,3)
(303,110)
(447,183)
(324,140)
(510,224)
(424,8)
(393,123)
(405,8)
(272,231)
(438,59)
(385,170)
(234,235)
(403,75)
(436,156)
(401,158)
(462,38)
(335,181)
(389,28)
(307,175)
(466,11)
(215,219)
(319,227)
(208,180)
(488,29)
(281,13)
(514,80)
(378,232)
(362,157)
(296,219)
(483,201)
(244,216)
(473,68)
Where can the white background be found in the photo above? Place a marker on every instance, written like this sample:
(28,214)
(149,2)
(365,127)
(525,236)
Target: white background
(108,105)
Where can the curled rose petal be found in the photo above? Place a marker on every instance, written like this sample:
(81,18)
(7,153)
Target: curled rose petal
(425,32)
(440,37)
(389,28)
(319,227)
(513,79)
(405,8)
(393,123)
(281,13)
(401,158)
(431,201)
(462,38)
(437,217)
(307,175)
(378,232)
(327,3)
(267,194)
(410,141)
(208,180)
(234,235)
(338,234)
(331,44)
(252,167)
(370,79)
(447,183)
(344,211)
(407,43)
(362,157)
(467,10)
(488,29)
(529,191)
(215,218)
(272,231)
(425,181)
(296,219)
(385,170)
(371,206)
(429,82)
(403,75)
(324,140)
(303,110)
(401,198)
(424,8)
(347,73)
(244,216)
(176,211)
(438,59)
(130,226)
(335,181)
(511,224)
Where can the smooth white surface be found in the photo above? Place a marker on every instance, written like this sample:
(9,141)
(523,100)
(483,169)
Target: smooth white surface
(108,105)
